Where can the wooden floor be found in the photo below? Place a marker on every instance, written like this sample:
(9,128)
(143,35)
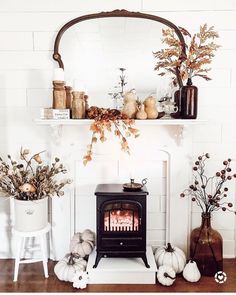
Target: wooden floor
(31,280)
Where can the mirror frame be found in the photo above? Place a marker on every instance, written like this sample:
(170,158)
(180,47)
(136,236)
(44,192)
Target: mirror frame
(120,13)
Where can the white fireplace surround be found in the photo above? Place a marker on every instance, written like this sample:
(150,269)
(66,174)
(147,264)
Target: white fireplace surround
(164,161)
(162,153)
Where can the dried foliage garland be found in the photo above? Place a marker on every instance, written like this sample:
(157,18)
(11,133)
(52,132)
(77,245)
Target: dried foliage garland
(30,179)
(109,120)
(200,50)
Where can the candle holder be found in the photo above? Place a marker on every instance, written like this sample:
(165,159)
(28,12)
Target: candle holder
(78,105)
(86,104)
(69,97)
(59,95)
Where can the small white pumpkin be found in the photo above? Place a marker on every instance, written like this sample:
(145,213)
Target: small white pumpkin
(88,235)
(166,275)
(77,238)
(130,105)
(80,279)
(66,268)
(172,256)
(83,244)
(27,188)
(191,272)
(82,249)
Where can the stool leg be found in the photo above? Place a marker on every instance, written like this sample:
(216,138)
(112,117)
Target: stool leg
(43,244)
(19,247)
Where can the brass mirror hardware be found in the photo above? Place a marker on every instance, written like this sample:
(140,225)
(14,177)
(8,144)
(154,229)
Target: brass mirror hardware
(121,13)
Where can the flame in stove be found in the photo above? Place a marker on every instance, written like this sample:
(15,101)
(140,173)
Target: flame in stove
(121,220)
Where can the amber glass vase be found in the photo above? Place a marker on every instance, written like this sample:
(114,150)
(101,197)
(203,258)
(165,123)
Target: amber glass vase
(189,101)
(206,247)
(177,101)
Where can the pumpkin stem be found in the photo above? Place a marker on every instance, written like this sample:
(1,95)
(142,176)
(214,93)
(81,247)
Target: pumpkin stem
(71,259)
(166,275)
(169,248)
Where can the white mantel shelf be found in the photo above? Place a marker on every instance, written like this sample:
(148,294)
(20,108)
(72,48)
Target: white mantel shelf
(137,122)
(181,125)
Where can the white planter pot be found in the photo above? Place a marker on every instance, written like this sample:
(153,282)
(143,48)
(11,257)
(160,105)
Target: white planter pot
(31,215)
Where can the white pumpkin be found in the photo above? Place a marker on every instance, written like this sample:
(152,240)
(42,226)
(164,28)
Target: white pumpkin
(171,256)
(82,249)
(77,238)
(166,275)
(80,279)
(191,272)
(88,235)
(66,268)
(83,244)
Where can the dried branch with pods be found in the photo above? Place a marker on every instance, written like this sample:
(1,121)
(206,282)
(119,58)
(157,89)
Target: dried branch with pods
(30,179)
(210,193)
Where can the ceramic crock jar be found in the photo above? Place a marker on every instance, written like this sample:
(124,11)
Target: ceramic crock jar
(206,247)
(189,100)
(31,215)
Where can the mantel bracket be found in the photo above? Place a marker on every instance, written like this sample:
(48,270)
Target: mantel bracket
(180,133)
(56,133)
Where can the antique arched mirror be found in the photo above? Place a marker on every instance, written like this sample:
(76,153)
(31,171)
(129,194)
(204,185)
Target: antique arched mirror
(92,48)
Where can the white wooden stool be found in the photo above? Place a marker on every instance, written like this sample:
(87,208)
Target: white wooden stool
(20,246)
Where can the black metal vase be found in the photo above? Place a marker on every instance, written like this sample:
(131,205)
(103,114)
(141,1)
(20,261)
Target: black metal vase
(189,101)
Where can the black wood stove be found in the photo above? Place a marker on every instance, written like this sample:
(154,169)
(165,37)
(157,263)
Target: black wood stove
(121,222)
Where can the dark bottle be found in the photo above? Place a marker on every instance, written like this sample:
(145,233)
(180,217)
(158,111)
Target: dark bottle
(206,247)
(177,101)
(189,100)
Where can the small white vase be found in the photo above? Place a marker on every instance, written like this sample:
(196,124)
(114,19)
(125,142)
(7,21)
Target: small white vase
(31,215)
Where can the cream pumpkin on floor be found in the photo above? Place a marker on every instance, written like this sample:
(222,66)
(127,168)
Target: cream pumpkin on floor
(191,272)
(172,256)
(82,243)
(66,268)
(166,275)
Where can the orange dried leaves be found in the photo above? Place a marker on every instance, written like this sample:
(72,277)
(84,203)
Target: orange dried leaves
(200,52)
(108,120)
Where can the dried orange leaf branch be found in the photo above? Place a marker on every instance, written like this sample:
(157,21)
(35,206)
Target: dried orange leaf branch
(109,120)
(200,50)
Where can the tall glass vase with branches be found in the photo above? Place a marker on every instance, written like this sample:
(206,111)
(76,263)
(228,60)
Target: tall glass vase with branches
(210,194)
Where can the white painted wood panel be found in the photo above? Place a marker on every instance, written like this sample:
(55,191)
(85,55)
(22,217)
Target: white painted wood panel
(186,5)
(39,97)
(12,98)
(213,96)
(23,60)
(44,40)
(31,72)
(25,79)
(73,5)
(210,133)
(34,21)
(16,41)
(221,20)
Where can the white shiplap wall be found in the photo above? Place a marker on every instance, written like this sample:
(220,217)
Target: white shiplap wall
(27,29)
